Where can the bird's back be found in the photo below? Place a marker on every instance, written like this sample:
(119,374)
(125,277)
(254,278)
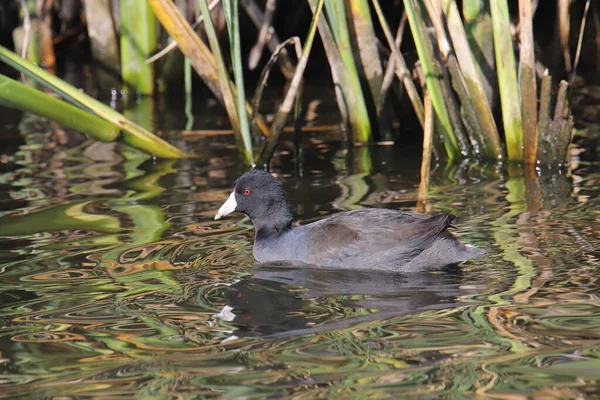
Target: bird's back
(368,239)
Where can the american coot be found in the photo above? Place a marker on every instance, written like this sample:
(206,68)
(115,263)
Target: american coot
(363,239)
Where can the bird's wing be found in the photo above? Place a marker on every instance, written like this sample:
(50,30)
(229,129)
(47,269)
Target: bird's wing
(357,232)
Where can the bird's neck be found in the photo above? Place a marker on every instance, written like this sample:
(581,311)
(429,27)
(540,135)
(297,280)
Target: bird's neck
(273,224)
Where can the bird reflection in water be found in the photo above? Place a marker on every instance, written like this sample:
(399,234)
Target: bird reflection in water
(286,299)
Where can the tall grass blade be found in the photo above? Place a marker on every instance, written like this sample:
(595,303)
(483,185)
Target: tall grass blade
(434,85)
(233,25)
(528,82)
(339,73)
(138,42)
(228,97)
(132,134)
(450,68)
(366,41)
(14,94)
(478,27)
(292,92)
(507,80)
(490,139)
(338,19)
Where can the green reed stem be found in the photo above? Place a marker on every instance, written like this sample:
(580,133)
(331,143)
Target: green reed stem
(507,80)
(434,84)
(361,126)
(224,83)
(292,92)
(138,42)
(133,134)
(233,26)
(14,94)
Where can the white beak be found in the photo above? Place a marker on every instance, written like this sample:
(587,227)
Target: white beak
(228,207)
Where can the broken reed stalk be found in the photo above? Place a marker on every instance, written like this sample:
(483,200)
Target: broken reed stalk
(564,30)
(528,82)
(401,69)
(104,43)
(27,29)
(544,147)
(554,131)
(437,146)
(561,125)
(266,72)
(288,102)
(44,12)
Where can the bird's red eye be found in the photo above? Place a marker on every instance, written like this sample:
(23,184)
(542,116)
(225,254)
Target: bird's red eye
(247,192)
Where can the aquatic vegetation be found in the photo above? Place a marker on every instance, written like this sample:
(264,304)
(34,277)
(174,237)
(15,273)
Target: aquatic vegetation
(457,68)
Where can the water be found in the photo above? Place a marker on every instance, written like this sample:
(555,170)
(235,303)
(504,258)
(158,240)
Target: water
(115,281)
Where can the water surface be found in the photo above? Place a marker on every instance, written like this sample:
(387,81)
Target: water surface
(115,281)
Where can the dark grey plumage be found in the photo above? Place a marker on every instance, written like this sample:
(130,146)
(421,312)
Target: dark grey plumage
(363,239)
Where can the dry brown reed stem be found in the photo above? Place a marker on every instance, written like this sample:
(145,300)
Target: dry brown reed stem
(292,92)
(437,145)
(262,82)
(401,69)
(390,70)
(426,160)
(333,129)
(27,28)
(173,43)
(580,41)
(44,11)
(563,30)
(257,50)
(256,15)
(528,82)
(200,56)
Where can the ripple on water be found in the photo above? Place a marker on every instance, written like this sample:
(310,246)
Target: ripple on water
(122,285)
